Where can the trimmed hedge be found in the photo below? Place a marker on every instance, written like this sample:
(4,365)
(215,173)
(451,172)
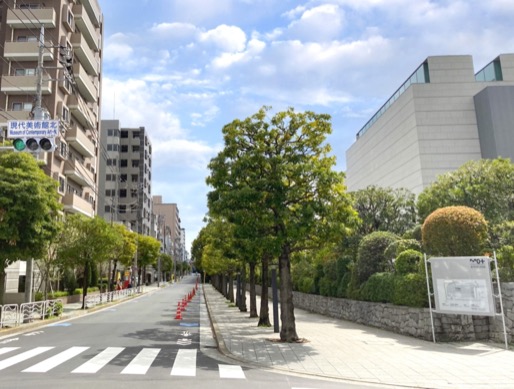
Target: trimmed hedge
(408,262)
(379,288)
(410,290)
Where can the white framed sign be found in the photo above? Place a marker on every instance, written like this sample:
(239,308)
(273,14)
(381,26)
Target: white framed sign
(32,128)
(462,285)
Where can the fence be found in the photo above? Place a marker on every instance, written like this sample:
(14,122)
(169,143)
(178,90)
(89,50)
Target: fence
(12,315)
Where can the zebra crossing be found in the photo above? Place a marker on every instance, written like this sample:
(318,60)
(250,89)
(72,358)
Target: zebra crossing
(183,365)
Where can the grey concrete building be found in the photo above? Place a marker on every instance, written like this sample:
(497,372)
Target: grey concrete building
(170,226)
(444,115)
(125,177)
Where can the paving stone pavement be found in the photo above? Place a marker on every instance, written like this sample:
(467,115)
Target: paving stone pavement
(349,351)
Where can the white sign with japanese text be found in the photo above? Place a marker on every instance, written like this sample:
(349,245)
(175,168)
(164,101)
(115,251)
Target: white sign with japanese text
(32,128)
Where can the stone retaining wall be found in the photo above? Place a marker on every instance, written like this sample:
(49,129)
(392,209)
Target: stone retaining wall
(414,321)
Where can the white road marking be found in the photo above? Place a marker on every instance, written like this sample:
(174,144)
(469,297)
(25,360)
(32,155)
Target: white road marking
(56,360)
(99,361)
(231,371)
(185,363)
(5,350)
(142,362)
(23,356)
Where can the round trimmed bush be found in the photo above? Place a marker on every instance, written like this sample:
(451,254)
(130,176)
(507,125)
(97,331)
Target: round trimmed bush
(408,262)
(454,231)
(370,257)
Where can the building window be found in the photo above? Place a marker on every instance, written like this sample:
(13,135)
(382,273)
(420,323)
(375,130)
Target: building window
(123,208)
(124,148)
(21,284)
(62,184)
(65,114)
(135,134)
(124,134)
(135,163)
(135,149)
(123,178)
(123,193)
(135,178)
(22,106)
(113,147)
(25,72)
(107,209)
(123,163)
(112,162)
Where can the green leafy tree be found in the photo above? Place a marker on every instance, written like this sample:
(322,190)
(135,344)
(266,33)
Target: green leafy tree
(485,185)
(275,174)
(385,209)
(85,243)
(147,253)
(455,231)
(124,248)
(29,209)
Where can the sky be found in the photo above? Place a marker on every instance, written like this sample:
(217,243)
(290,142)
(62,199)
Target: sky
(184,68)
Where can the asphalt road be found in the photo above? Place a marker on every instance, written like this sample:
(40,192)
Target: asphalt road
(139,343)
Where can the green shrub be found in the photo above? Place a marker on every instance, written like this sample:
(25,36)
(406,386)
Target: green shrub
(408,262)
(54,311)
(505,257)
(70,281)
(410,290)
(378,288)
(306,285)
(413,233)
(371,258)
(455,231)
(395,248)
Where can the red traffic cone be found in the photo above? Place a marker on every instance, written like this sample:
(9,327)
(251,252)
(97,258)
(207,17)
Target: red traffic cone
(178,316)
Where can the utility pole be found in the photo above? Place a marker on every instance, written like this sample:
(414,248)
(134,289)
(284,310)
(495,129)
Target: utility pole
(38,115)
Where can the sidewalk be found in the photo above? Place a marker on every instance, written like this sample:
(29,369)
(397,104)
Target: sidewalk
(348,351)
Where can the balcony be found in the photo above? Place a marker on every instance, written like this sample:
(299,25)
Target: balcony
(26,51)
(79,173)
(23,85)
(21,18)
(93,10)
(79,109)
(86,27)
(75,204)
(84,54)
(78,139)
(87,88)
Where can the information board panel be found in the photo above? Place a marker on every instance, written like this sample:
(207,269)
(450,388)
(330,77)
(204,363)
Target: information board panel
(462,285)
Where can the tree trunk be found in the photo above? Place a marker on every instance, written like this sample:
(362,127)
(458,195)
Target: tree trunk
(264,312)
(253,295)
(242,297)
(113,275)
(231,288)
(84,284)
(288,330)
(2,284)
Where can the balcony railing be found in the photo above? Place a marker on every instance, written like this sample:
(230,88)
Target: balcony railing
(84,54)
(86,87)
(79,173)
(21,18)
(23,85)
(26,51)
(73,203)
(78,139)
(86,27)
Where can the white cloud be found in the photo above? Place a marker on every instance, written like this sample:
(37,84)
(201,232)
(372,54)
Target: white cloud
(226,38)
(321,23)
(225,60)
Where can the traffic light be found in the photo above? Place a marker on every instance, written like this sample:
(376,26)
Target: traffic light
(34,145)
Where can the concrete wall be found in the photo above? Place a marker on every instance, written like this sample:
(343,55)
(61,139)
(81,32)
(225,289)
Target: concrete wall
(414,321)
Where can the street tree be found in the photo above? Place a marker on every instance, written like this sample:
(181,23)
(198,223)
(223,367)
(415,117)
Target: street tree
(486,185)
(29,210)
(148,251)
(276,174)
(124,249)
(85,243)
(384,209)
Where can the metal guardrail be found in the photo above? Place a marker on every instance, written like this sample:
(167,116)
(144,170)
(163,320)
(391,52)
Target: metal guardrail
(12,315)
(106,297)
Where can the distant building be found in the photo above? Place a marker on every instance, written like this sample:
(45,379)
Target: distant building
(125,172)
(443,116)
(171,224)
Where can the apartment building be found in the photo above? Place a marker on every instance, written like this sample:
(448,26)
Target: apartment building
(72,58)
(442,116)
(125,177)
(171,224)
